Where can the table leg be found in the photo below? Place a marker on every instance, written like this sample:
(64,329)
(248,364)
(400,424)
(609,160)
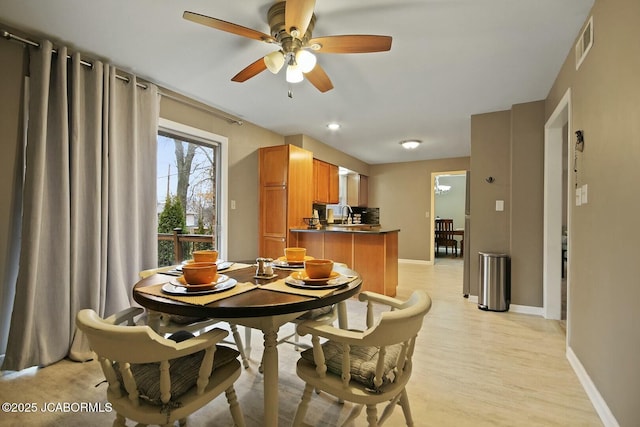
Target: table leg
(270,372)
(269,325)
(154,319)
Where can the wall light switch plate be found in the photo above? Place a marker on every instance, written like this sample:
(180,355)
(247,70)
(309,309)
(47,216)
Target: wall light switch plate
(233,204)
(499,205)
(578,196)
(584,194)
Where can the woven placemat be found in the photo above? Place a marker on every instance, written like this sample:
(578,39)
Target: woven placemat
(198,299)
(281,286)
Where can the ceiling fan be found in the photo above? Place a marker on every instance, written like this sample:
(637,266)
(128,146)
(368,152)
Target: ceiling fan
(291,24)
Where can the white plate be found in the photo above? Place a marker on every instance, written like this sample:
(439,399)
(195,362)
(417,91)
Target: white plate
(282,263)
(179,281)
(338,282)
(171,289)
(222,265)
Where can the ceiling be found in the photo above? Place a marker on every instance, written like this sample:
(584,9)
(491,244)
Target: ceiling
(449,59)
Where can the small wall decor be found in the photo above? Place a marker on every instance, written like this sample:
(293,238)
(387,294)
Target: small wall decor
(579,141)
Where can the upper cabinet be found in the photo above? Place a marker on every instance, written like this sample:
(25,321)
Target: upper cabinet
(325,183)
(334,185)
(357,190)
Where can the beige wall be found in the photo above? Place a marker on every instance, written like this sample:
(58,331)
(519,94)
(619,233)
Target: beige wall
(402,191)
(527,203)
(509,147)
(490,158)
(326,153)
(604,319)
(244,142)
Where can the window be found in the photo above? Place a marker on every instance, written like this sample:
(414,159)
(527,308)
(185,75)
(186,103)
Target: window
(192,175)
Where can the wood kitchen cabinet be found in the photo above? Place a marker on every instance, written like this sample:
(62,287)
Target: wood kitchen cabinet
(357,190)
(374,255)
(334,185)
(286,195)
(325,182)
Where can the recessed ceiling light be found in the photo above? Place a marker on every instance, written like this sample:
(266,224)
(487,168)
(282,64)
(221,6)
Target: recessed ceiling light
(333,126)
(410,144)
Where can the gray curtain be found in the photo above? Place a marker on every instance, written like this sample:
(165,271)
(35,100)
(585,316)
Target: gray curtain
(89,203)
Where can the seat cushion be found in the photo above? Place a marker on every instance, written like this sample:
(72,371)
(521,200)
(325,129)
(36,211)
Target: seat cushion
(183,372)
(363,362)
(183,320)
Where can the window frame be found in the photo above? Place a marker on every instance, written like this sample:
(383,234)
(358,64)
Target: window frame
(211,139)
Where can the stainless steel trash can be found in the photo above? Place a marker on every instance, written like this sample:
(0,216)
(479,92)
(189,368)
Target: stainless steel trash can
(494,293)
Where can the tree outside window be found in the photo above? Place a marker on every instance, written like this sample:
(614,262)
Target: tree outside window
(187,192)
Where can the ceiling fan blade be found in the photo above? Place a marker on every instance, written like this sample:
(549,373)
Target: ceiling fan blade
(351,44)
(229,27)
(250,71)
(298,14)
(319,79)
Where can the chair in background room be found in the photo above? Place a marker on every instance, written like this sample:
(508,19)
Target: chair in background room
(155,380)
(364,367)
(444,236)
(166,324)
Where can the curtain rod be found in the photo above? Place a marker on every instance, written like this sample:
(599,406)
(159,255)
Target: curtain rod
(10,36)
(200,107)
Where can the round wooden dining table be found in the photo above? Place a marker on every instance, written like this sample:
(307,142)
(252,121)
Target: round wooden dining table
(258,308)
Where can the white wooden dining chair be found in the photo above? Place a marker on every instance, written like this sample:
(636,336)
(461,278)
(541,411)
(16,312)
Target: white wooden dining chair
(155,380)
(167,324)
(364,367)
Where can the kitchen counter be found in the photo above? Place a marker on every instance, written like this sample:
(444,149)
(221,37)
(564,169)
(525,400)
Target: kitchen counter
(370,250)
(348,228)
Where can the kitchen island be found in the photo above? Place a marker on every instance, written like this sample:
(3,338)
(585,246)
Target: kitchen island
(370,250)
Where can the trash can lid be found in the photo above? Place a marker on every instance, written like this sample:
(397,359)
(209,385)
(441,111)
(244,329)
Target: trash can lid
(491,254)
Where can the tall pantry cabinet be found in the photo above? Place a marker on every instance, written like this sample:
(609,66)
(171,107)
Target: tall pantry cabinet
(286,195)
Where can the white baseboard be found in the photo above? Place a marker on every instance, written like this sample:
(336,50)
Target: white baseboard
(598,402)
(526,309)
(514,308)
(415,261)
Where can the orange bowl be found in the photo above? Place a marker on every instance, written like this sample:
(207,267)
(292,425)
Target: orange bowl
(198,273)
(295,254)
(207,255)
(318,268)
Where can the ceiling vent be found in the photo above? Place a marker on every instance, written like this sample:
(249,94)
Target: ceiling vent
(585,41)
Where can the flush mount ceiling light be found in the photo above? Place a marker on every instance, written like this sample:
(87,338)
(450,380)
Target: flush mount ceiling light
(410,144)
(333,126)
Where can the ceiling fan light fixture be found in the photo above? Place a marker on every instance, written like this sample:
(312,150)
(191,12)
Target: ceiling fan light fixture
(274,61)
(306,60)
(294,74)
(410,144)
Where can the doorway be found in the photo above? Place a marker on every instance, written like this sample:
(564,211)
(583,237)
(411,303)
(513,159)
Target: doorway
(448,196)
(557,242)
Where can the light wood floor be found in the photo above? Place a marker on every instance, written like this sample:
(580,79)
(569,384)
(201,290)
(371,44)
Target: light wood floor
(472,368)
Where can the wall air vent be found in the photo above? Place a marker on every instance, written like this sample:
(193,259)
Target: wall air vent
(585,41)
